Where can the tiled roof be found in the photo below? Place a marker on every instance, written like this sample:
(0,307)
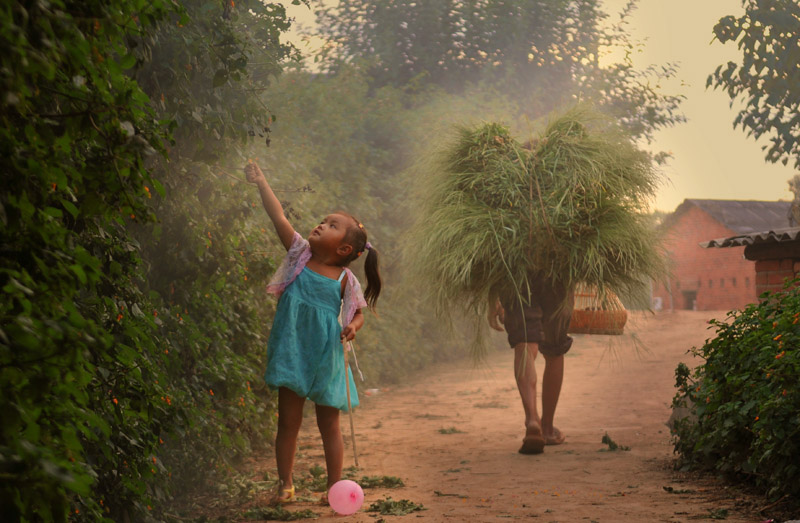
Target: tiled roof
(777,236)
(745,216)
(740,216)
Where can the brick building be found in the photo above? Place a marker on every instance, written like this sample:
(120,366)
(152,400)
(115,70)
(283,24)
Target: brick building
(776,255)
(713,279)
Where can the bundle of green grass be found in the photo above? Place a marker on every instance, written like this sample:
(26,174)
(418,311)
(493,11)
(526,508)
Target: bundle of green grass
(570,205)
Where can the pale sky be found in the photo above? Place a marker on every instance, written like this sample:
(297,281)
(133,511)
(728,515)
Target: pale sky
(711,160)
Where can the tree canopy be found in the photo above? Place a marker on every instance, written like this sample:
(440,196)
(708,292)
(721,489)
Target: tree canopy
(767,79)
(542,54)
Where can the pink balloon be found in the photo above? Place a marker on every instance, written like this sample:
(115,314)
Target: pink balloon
(345,497)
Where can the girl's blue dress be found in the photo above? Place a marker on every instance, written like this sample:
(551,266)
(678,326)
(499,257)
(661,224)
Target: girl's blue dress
(305,352)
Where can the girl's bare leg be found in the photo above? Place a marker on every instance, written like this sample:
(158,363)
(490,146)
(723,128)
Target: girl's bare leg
(332,442)
(552,378)
(290,417)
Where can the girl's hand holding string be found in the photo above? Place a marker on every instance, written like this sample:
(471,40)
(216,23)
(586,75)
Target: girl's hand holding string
(348,333)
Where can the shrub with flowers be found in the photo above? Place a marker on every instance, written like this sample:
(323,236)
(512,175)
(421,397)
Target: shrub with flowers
(746,397)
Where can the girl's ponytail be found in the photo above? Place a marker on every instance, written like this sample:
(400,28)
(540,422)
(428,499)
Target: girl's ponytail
(373,277)
(357,237)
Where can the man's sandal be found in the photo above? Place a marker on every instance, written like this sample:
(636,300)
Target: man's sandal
(284,495)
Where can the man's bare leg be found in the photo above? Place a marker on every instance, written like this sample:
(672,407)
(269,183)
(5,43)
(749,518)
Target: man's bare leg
(552,378)
(525,374)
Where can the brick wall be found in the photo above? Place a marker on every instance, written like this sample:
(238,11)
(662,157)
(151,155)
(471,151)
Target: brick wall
(715,278)
(770,274)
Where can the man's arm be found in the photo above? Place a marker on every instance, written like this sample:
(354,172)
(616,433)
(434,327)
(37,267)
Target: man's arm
(496,314)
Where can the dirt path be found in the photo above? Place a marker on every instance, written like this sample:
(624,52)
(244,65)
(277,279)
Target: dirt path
(477,475)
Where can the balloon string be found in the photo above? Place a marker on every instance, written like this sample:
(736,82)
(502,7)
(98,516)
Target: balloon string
(355,358)
(349,405)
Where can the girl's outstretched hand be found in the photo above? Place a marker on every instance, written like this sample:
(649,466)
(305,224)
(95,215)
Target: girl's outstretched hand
(253,172)
(271,204)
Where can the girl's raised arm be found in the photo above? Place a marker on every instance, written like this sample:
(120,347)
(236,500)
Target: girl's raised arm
(271,204)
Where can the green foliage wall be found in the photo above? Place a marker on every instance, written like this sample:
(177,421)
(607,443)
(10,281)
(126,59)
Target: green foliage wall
(131,331)
(744,397)
(74,134)
(206,72)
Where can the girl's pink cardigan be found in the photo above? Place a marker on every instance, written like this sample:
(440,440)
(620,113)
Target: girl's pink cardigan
(297,258)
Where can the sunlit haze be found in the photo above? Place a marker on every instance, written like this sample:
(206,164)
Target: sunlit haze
(710,159)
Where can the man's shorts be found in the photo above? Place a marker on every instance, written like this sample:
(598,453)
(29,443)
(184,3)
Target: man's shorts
(543,320)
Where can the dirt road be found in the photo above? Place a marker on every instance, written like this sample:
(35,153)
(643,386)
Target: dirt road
(452,434)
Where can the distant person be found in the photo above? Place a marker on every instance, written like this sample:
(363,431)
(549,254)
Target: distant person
(540,325)
(305,353)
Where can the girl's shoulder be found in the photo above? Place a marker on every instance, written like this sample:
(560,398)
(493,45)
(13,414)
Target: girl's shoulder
(293,263)
(350,278)
(300,251)
(299,243)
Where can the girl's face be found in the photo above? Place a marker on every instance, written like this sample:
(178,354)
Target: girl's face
(329,234)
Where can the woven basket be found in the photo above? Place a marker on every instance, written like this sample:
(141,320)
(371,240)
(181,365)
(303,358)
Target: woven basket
(593,315)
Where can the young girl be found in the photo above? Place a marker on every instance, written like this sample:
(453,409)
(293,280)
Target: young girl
(305,354)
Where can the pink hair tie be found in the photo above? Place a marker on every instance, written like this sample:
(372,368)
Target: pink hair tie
(368,246)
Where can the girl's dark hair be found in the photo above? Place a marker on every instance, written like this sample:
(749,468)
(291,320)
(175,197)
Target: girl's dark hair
(357,237)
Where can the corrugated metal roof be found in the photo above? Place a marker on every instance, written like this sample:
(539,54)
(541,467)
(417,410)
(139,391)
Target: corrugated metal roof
(774,236)
(747,216)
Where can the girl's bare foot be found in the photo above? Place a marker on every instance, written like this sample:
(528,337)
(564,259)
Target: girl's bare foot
(534,441)
(323,499)
(555,438)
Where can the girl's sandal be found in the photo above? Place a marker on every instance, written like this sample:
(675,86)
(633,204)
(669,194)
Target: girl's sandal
(283,496)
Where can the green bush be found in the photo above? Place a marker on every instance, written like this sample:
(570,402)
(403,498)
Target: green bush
(746,397)
(132,320)
(75,382)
